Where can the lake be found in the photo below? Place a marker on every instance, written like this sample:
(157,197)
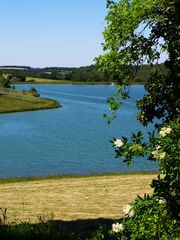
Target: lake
(70,140)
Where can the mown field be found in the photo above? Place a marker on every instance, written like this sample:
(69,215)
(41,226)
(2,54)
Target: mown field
(72,198)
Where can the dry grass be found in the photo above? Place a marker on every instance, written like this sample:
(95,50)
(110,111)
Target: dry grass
(73,198)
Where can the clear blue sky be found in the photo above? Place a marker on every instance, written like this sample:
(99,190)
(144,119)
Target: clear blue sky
(42,33)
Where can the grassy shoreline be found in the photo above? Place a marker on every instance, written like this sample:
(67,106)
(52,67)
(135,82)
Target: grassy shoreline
(11,104)
(59,82)
(52,81)
(54,177)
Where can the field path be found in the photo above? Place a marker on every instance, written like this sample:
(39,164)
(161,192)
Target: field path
(72,198)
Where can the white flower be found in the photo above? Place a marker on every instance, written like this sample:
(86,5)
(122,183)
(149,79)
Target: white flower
(118,143)
(162,201)
(159,154)
(128,210)
(155,153)
(165,131)
(117,227)
(158,147)
(162,155)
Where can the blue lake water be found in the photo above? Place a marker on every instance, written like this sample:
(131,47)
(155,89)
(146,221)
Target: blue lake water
(73,139)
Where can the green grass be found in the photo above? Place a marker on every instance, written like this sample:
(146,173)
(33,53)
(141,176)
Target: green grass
(41,178)
(52,230)
(41,230)
(18,104)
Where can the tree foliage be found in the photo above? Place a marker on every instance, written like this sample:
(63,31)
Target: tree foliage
(4,82)
(138,32)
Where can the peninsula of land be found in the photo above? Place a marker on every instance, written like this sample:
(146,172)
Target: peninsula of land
(13,100)
(9,103)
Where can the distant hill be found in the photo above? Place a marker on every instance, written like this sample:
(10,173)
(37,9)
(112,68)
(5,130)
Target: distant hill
(81,74)
(15,67)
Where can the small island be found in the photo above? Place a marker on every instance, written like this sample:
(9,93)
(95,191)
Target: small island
(12,100)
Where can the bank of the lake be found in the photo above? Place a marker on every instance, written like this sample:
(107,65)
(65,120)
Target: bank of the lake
(9,103)
(30,80)
(57,177)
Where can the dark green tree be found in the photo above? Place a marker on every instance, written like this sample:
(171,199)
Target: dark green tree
(4,82)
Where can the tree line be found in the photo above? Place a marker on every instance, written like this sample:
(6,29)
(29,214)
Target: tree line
(82,74)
